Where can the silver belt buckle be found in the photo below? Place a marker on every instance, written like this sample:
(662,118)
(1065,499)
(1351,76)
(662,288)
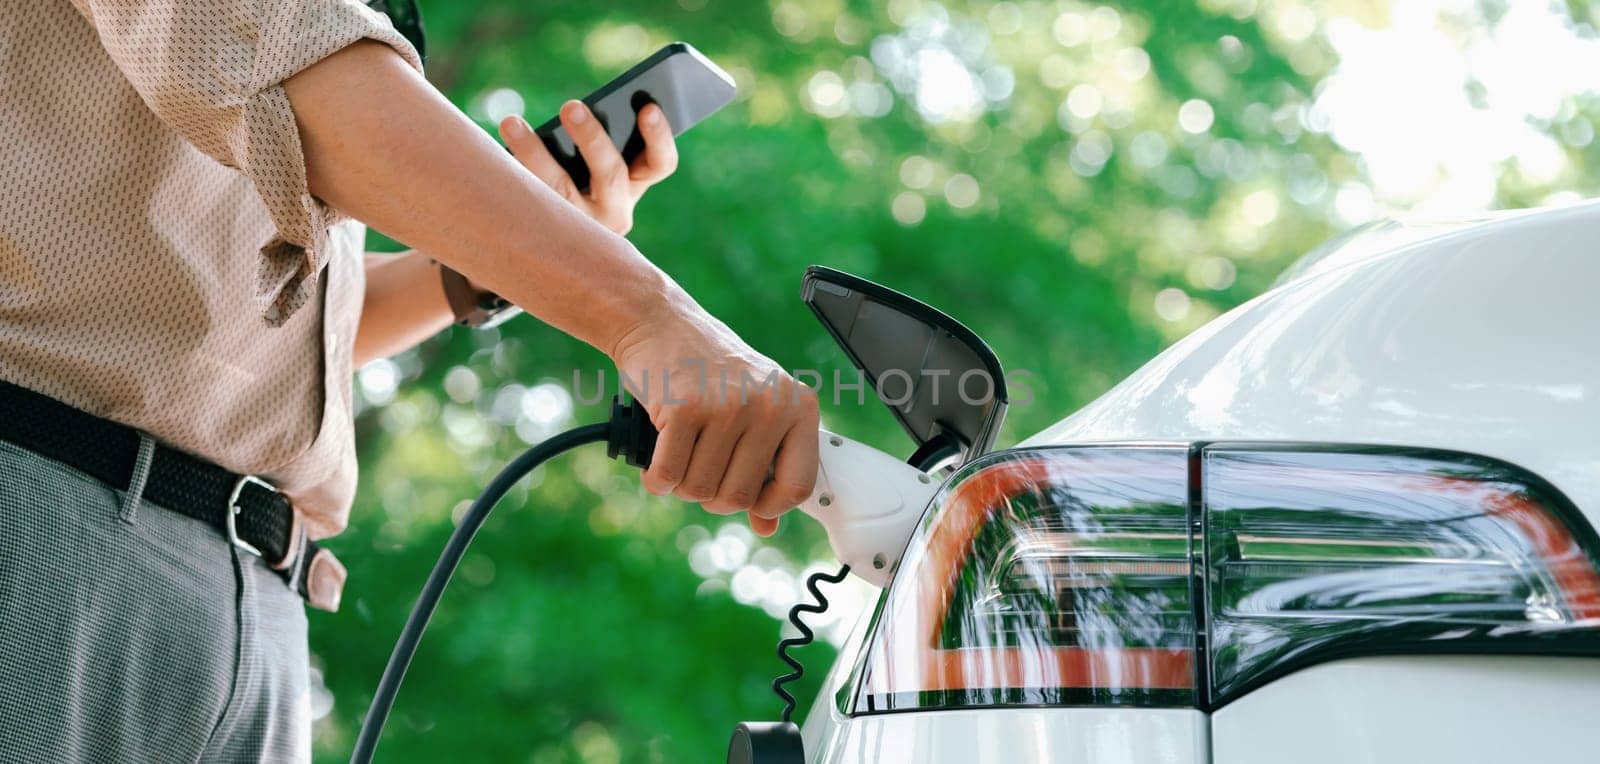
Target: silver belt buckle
(234,509)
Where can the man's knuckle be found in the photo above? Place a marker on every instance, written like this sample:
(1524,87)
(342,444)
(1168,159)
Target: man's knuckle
(808,400)
(773,508)
(762,413)
(729,412)
(795,490)
(688,410)
(737,498)
(697,490)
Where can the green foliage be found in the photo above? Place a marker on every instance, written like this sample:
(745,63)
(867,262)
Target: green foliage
(1078,229)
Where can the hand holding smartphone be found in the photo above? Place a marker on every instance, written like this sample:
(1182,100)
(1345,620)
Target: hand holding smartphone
(685,84)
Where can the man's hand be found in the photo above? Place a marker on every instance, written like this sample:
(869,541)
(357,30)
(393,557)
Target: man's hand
(614,187)
(736,432)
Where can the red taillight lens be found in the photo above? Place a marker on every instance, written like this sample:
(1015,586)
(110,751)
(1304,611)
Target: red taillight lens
(1045,577)
(1141,575)
(1316,553)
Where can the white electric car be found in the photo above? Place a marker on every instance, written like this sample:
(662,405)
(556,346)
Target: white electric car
(1352,521)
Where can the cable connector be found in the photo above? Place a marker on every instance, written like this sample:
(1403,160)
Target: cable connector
(630,435)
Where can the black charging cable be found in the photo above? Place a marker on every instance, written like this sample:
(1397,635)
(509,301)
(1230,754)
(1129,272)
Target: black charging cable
(629,436)
(818,605)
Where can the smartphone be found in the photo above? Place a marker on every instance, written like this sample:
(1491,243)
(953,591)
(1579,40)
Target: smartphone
(684,83)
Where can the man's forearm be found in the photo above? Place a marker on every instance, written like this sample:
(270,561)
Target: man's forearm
(405,304)
(383,146)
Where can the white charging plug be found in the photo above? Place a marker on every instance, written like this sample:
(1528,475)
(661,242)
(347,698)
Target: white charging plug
(869,503)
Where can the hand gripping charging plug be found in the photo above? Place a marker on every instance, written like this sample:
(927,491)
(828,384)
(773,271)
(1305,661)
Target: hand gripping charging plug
(867,501)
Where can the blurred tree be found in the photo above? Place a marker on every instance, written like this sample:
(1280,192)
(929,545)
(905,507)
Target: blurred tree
(1079,183)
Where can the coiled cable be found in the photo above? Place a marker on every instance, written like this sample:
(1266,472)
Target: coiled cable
(819,604)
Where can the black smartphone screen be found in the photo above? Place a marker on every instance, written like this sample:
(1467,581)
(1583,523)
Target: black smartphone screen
(684,83)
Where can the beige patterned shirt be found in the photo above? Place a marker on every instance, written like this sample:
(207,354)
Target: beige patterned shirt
(161,261)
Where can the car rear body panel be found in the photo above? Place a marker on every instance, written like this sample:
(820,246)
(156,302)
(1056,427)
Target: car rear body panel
(1485,340)
(1405,709)
(1012,735)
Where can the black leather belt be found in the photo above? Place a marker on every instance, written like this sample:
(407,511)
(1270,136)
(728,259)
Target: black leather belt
(250,512)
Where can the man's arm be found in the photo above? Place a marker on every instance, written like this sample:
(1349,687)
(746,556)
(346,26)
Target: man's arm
(404,305)
(385,147)
(405,302)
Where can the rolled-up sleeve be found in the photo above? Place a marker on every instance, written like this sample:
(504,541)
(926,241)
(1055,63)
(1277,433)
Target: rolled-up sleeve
(213,70)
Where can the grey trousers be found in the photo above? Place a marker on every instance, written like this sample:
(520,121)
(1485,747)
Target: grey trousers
(132,633)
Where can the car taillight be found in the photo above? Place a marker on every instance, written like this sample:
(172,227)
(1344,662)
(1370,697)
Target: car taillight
(1045,577)
(1318,553)
(1169,576)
